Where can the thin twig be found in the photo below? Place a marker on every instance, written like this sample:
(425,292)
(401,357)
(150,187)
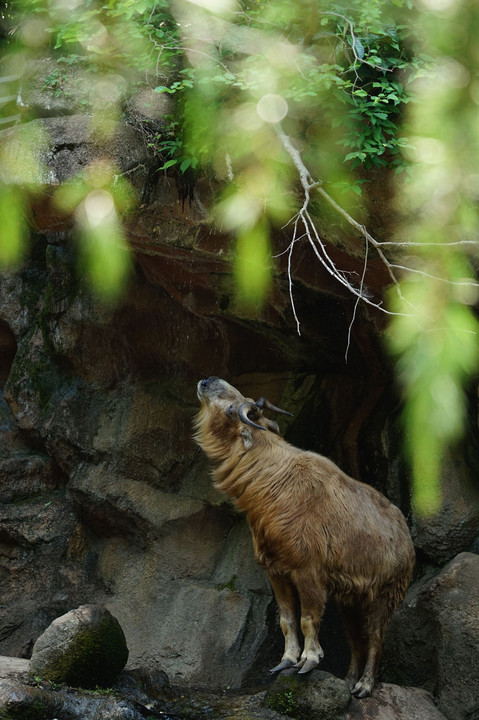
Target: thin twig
(290,280)
(429,244)
(469,283)
(353,318)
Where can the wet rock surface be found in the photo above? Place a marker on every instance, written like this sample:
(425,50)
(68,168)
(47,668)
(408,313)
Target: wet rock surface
(142,693)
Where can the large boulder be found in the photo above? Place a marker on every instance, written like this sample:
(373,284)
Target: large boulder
(84,648)
(433,640)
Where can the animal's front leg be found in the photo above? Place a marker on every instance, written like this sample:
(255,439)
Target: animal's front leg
(312,596)
(285,595)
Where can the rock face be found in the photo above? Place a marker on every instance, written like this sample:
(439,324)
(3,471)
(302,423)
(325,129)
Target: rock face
(454,527)
(433,640)
(391,702)
(104,497)
(85,647)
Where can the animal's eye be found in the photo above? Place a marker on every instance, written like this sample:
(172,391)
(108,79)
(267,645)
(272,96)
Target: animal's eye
(231,411)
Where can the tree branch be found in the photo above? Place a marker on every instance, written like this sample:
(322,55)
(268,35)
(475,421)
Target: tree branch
(311,233)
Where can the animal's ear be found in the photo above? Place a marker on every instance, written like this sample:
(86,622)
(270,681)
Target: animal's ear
(231,411)
(247,437)
(274,427)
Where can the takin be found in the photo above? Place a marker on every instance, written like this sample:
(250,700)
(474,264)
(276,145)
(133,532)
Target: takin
(317,532)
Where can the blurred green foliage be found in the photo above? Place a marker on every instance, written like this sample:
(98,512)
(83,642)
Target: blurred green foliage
(99,197)
(356,85)
(12,226)
(436,342)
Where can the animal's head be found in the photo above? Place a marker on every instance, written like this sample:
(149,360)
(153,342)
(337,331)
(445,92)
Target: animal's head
(228,422)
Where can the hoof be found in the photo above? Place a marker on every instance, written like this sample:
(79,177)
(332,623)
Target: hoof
(362,689)
(352,682)
(307,667)
(284,665)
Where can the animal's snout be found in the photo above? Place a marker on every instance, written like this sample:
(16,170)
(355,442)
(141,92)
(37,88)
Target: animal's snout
(207,386)
(204,384)
(214,389)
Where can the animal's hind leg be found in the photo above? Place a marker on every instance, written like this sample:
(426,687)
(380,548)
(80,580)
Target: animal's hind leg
(312,595)
(353,623)
(374,620)
(286,600)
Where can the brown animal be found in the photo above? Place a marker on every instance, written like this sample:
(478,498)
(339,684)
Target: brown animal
(318,532)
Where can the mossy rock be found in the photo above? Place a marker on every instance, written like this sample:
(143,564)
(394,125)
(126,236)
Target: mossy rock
(84,648)
(317,695)
(35,711)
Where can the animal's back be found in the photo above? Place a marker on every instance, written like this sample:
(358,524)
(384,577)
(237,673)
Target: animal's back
(306,512)
(370,551)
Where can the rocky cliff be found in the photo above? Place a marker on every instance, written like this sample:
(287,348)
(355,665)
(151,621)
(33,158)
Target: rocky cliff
(104,496)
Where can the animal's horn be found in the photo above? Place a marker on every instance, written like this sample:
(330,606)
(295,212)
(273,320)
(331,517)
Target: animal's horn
(263,403)
(242,413)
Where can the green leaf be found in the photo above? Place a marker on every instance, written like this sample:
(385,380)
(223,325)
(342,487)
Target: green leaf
(168,164)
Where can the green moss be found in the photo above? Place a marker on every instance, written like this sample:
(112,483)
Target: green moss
(284,700)
(230,585)
(36,711)
(317,695)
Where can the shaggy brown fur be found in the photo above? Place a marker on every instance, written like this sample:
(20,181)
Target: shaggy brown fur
(318,532)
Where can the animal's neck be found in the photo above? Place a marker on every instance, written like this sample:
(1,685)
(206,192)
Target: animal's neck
(244,477)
